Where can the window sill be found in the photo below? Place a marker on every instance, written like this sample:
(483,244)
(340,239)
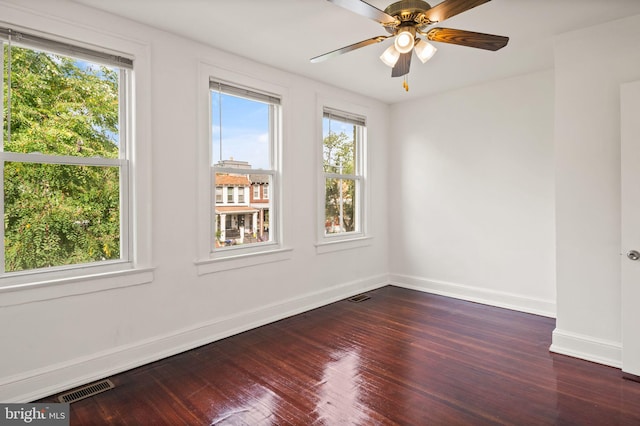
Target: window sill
(343,244)
(21,292)
(237,261)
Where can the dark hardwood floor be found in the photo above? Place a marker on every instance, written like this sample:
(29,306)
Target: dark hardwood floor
(400,358)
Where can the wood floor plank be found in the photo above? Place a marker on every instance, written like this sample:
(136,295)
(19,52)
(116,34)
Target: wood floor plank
(400,358)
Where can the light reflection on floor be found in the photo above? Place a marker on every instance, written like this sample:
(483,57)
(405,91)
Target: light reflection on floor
(339,391)
(259,411)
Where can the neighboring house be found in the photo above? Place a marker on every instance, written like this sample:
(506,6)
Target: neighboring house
(235,218)
(259,200)
(242,205)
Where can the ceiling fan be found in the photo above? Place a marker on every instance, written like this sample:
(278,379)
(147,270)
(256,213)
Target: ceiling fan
(406,20)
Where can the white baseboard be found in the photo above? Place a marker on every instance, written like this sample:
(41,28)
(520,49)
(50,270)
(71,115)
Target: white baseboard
(36,384)
(515,302)
(587,348)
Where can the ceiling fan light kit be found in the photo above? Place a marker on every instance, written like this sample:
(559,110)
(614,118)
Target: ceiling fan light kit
(404,41)
(424,50)
(405,20)
(390,56)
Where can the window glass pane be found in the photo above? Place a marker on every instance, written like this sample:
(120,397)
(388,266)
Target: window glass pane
(240,132)
(60,215)
(340,206)
(339,147)
(244,219)
(60,105)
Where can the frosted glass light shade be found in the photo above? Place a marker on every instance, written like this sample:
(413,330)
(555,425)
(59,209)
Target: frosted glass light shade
(404,42)
(390,56)
(424,50)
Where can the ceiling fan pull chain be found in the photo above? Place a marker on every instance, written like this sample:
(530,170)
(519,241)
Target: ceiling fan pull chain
(405,83)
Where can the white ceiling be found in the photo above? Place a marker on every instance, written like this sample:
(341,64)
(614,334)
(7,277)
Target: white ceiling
(287,33)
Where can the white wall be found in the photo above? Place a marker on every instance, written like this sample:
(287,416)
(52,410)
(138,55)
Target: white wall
(472,193)
(60,342)
(590,65)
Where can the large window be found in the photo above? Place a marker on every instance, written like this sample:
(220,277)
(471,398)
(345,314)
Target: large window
(64,155)
(245,131)
(343,141)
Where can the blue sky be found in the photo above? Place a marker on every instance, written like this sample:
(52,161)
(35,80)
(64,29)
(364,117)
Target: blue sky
(245,130)
(336,127)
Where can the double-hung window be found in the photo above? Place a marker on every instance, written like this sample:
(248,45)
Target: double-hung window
(244,139)
(343,147)
(65,167)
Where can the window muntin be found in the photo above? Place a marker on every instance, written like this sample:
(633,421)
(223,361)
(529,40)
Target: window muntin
(342,167)
(64,156)
(245,130)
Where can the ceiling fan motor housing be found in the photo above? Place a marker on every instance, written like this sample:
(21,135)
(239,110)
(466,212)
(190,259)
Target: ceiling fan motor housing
(410,13)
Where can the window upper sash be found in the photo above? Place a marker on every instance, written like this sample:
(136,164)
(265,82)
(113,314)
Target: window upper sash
(34,41)
(346,117)
(243,92)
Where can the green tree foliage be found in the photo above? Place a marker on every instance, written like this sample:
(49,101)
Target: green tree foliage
(59,214)
(339,157)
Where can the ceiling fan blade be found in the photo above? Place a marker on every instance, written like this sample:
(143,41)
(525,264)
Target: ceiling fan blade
(402,66)
(449,8)
(349,48)
(365,9)
(467,38)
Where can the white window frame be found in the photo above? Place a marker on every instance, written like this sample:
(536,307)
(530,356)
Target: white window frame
(134,266)
(360,236)
(256,191)
(210,260)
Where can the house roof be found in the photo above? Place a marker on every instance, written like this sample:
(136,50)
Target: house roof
(237,180)
(260,178)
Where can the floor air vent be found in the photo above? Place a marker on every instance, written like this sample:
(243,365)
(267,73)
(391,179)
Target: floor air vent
(86,391)
(360,298)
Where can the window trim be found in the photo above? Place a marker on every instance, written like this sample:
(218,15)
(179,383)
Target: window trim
(209,261)
(357,115)
(48,283)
